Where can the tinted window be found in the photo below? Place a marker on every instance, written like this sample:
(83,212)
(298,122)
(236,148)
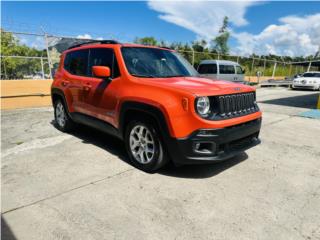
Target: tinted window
(239,70)
(311,75)
(103,57)
(76,62)
(207,69)
(155,63)
(226,69)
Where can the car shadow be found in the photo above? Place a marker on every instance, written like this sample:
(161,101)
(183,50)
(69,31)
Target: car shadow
(203,170)
(6,232)
(116,147)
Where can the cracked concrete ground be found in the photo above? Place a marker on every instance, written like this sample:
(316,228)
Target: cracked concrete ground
(79,186)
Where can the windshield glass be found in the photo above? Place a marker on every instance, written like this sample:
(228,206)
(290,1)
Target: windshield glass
(311,75)
(156,63)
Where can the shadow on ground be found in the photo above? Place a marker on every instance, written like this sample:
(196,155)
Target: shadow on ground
(6,233)
(304,101)
(203,170)
(116,147)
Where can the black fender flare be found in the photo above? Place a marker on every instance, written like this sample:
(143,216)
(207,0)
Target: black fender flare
(60,93)
(151,110)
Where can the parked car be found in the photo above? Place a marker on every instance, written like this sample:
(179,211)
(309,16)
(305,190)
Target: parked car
(153,100)
(308,80)
(221,70)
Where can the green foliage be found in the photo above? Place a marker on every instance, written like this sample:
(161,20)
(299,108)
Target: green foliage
(151,41)
(16,68)
(221,41)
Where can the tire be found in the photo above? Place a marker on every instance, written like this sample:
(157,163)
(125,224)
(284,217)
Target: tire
(144,146)
(62,120)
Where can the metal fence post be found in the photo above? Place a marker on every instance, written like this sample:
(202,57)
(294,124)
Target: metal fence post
(252,67)
(309,66)
(192,57)
(48,55)
(274,69)
(42,69)
(264,66)
(5,70)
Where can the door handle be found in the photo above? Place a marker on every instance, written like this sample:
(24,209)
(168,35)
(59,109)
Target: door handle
(87,87)
(64,83)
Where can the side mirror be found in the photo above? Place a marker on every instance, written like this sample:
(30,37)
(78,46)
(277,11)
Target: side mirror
(101,71)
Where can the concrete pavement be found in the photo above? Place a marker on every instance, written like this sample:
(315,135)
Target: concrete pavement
(80,186)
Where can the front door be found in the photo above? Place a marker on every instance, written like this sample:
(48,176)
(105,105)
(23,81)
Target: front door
(100,95)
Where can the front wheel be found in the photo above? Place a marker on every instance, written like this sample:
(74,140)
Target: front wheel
(144,146)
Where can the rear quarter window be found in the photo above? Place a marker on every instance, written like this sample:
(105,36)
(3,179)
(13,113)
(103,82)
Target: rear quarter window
(207,69)
(226,69)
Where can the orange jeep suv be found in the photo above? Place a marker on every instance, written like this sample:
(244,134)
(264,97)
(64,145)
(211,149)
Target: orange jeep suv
(154,100)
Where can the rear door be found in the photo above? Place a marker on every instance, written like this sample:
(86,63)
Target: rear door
(226,72)
(75,72)
(208,70)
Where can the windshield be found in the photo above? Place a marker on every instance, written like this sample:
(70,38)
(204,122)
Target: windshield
(311,75)
(156,63)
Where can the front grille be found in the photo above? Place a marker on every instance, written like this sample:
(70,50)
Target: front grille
(234,105)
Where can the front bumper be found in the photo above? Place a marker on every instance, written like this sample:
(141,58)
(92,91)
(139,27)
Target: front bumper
(306,86)
(212,145)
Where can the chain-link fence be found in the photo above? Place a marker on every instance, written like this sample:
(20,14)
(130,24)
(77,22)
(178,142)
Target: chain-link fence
(36,56)
(254,65)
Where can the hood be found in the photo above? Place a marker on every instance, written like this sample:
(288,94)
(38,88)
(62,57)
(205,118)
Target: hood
(307,78)
(199,86)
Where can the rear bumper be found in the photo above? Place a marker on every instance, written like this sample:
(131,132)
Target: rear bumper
(212,145)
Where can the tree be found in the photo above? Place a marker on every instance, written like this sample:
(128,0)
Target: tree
(221,41)
(150,41)
(15,68)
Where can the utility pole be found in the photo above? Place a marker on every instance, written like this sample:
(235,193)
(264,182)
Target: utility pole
(48,54)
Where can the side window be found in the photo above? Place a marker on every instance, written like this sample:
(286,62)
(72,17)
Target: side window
(76,62)
(104,57)
(207,69)
(239,70)
(226,69)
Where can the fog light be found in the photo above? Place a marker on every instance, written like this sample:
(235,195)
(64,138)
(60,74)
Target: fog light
(204,147)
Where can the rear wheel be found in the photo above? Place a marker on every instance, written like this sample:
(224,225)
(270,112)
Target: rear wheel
(144,146)
(62,119)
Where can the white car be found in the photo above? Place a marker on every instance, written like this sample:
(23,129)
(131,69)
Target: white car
(308,80)
(221,70)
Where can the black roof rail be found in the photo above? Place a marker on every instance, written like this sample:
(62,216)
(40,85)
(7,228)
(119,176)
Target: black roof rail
(95,42)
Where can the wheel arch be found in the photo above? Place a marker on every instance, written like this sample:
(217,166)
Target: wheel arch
(57,93)
(130,108)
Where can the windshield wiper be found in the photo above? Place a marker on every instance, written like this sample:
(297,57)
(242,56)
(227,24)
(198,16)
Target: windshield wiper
(170,76)
(143,76)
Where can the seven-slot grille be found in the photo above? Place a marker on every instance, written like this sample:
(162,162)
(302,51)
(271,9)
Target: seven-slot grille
(236,105)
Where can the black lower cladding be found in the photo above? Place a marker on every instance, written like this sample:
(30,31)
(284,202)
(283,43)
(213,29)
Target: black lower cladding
(210,145)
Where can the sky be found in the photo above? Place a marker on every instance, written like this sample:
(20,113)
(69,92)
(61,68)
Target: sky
(282,28)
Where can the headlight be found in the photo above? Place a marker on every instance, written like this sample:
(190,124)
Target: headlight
(203,105)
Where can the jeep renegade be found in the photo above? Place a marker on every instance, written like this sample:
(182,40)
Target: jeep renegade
(154,100)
